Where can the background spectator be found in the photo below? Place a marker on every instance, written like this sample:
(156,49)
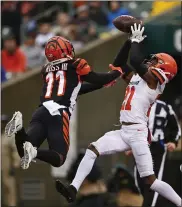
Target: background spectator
(77,4)
(44,35)
(28,24)
(75,38)
(115,10)
(86,27)
(62,26)
(122,184)
(12,17)
(97,14)
(13,59)
(92,33)
(32,52)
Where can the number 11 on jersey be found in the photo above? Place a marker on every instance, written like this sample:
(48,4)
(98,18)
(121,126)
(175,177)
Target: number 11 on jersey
(128,97)
(50,78)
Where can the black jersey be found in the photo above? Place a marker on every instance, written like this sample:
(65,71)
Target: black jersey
(61,83)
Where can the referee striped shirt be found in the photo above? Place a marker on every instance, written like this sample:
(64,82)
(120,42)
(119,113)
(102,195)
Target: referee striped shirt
(163,123)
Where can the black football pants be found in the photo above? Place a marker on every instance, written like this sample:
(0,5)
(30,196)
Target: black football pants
(45,126)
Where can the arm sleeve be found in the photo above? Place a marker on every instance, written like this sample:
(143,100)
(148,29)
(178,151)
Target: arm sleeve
(136,59)
(122,57)
(100,78)
(173,126)
(88,87)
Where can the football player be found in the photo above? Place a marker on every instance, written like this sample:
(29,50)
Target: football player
(63,80)
(145,84)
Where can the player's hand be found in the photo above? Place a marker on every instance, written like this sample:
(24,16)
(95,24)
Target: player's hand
(128,152)
(112,67)
(171,146)
(137,33)
(112,83)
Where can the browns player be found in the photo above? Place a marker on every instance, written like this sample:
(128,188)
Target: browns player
(62,82)
(144,86)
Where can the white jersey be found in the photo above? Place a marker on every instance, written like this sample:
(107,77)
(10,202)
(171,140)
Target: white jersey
(138,100)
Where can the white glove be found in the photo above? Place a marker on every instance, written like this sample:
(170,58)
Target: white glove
(137,33)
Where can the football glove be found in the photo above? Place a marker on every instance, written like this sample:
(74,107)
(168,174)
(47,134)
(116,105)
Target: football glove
(137,33)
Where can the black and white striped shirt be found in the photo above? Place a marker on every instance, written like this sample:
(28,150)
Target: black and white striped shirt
(163,123)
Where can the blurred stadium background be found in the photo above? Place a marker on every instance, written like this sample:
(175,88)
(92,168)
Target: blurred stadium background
(25,27)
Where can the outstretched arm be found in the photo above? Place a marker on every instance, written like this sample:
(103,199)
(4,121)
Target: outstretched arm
(136,57)
(121,61)
(98,80)
(122,56)
(86,74)
(88,87)
(102,78)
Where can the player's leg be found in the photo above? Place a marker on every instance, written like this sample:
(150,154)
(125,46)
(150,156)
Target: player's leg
(35,134)
(28,142)
(159,157)
(58,140)
(110,143)
(52,126)
(144,164)
(148,194)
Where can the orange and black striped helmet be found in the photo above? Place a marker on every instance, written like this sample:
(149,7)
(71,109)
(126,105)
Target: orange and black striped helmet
(58,47)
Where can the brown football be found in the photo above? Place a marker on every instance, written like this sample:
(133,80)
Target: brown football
(124,23)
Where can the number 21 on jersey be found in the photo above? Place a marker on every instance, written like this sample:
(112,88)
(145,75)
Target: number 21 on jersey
(50,78)
(128,98)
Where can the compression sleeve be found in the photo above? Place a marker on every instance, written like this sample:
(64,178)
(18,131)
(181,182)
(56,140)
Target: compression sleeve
(101,78)
(136,59)
(88,87)
(122,56)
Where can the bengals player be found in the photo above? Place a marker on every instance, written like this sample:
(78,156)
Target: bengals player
(145,84)
(63,80)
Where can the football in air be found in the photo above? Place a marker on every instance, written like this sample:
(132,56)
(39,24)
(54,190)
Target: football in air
(124,23)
